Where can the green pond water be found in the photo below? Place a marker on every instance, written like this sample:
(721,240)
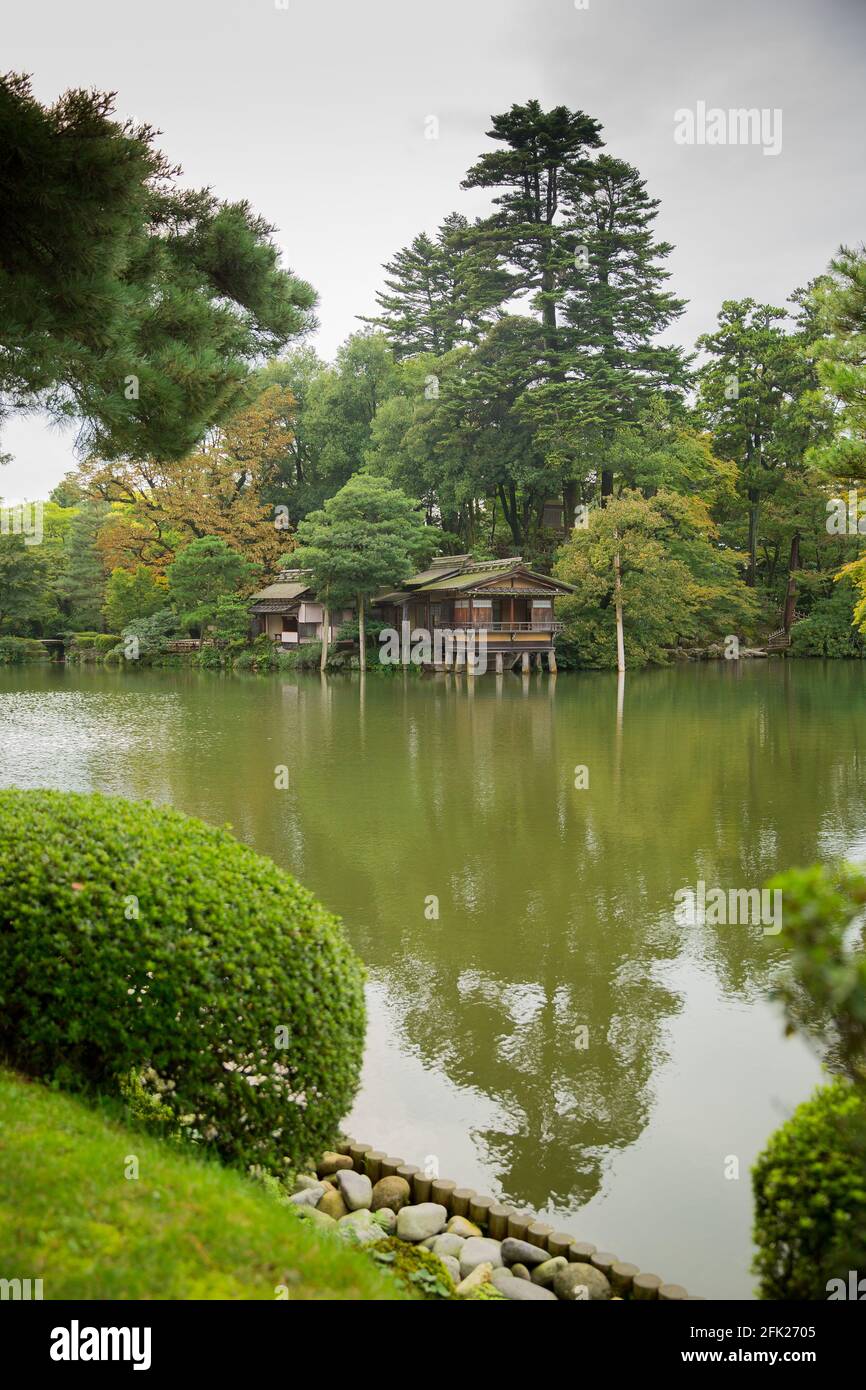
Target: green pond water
(555,1036)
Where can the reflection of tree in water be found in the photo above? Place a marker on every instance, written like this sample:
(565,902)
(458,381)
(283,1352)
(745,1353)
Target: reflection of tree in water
(556,905)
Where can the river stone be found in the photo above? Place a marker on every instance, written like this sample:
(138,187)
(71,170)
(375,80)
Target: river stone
(520,1290)
(309,1197)
(314,1217)
(447,1245)
(543,1274)
(355,1188)
(360,1226)
(459,1226)
(479,1250)
(387,1219)
(332,1163)
(476,1276)
(520,1272)
(303,1181)
(452,1266)
(416,1223)
(581,1282)
(333,1205)
(391,1192)
(521,1252)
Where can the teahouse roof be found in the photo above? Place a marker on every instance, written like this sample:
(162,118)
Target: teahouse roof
(461,574)
(284,592)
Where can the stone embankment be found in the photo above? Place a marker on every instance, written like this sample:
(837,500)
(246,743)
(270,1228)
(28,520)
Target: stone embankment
(478,1239)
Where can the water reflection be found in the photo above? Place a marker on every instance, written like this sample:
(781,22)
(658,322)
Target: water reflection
(553,1003)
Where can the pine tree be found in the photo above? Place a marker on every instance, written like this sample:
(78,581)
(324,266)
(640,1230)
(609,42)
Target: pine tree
(574,233)
(81,586)
(125,303)
(615,301)
(439,295)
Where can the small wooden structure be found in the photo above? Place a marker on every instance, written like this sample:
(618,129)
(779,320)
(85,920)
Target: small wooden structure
(506,601)
(289,612)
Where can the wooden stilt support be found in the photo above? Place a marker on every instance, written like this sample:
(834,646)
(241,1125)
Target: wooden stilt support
(551,662)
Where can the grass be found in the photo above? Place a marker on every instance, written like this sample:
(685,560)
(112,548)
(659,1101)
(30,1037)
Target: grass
(184,1229)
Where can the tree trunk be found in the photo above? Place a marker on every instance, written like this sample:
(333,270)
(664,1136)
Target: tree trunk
(606,485)
(326,627)
(362,634)
(753,540)
(569,503)
(791,595)
(617,593)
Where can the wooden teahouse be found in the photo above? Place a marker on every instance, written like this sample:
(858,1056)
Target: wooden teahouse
(510,603)
(289,612)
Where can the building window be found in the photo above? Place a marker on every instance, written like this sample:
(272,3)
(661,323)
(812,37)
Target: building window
(482,612)
(542,612)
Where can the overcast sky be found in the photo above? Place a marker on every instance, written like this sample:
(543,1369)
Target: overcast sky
(316,113)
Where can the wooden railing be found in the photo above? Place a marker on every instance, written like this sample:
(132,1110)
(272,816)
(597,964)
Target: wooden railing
(476,626)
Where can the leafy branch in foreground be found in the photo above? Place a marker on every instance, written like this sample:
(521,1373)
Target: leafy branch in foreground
(827,979)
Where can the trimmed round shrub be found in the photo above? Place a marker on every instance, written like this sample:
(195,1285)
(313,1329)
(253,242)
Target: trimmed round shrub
(809,1186)
(148,954)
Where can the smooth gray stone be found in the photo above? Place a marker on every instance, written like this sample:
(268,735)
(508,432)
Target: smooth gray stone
(417,1223)
(520,1252)
(544,1274)
(520,1290)
(309,1197)
(304,1181)
(452,1266)
(355,1189)
(446,1245)
(360,1226)
(581,1283)
(479,1250)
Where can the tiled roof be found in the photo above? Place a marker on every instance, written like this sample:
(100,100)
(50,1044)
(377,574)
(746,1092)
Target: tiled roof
(285,592)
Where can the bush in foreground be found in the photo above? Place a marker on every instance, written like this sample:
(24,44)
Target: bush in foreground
(810,1197)
(75,1216)
(142,950)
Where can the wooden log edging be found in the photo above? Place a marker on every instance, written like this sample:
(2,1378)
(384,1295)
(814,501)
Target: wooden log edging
(500,1221)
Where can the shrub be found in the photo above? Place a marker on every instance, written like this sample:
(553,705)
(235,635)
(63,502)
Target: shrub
(809,1186)
(824,990)
(14,650)
(828,630)
(152,633)
(231,620)
(209,659)
(88,646)
(142,950)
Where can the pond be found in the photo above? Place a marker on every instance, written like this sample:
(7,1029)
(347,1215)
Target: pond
(542,1020)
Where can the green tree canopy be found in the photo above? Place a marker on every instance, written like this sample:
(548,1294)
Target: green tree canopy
(677,582)
(131,594)
(367,536)
(204,572)
(127,303)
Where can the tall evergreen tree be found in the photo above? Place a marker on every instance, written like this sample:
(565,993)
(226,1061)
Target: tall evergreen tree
(615,301)
(575,233)
(757,393)
(439,294)
(81,586)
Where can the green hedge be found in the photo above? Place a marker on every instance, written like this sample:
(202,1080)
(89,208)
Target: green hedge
(146,953)
(810,1197)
